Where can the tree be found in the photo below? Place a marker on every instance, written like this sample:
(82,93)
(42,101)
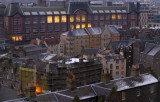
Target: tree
(113,97)
(76,99)
(150,71)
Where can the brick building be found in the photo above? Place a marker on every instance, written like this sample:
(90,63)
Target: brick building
(26,23)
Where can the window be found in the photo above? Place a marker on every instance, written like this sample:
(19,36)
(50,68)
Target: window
(42,28)
(49,28)
(49,19)
(138,92)
(71,26)
(117,73)
(113,16)
(151,89)
(35,29)
(17,29)
(63,19)
(133,16)
(95,17)
(17,38)
(64,27)
(107,17)
(42,19)
(27,29)
(101,17)
(77,18)
(16,21)
(89,18)
(125,22)
(111,66)
(122,72)
(133,23)
(56,19)
(119,23)
(95,24)
(83,26)
(83,18)
(89,25)
(78,26)
(122,66)
(113,22)
(56,27)
(117,61)
(123,95)
(124,16)
(71,18)
(117,67)
(27,20)
(119,16)
(35,20)
(101,24)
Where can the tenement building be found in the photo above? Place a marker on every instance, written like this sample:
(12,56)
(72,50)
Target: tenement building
(26,23)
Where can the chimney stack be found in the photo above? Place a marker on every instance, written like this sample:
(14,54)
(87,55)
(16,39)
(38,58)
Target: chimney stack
(71,82)
(135,70)
(105,76)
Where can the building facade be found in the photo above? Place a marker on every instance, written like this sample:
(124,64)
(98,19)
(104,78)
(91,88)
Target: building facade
(26,23)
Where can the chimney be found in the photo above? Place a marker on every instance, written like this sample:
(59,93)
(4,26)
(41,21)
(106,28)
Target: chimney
(30,92)
(71,82)
(105,76)
(121,52)
(135,70)
(47,68)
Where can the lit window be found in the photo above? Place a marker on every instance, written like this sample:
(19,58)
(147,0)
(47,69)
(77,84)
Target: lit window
(119,16)
(89,25)
(71,18)
(78,26)
(17,38)
(49,19)
(13,38)
(83,26)
(123,95)
(56,19)
(63,19)
(72,26)
(113,16)
(122,66)
(83,18)
(77,18)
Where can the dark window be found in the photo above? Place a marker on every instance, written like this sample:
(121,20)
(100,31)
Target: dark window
(27,20)
(95,17)
(56,28)
(42,29)
(35,29)
(35,20)
(27,29)
(50,28)
(42,19)
(117,67)
(107,17)
(101,17)
(64,27)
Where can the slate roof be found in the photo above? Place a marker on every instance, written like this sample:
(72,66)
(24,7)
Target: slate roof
(148,47)
(48,97)
(7,94)
(74,6)
(76,32)
(95,30)
(2,9)
(112,29)
(130,82)
(154,51)
(13,8)
(83,92)
(91,51)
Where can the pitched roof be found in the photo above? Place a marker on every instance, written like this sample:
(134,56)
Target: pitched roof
(13,8)
(112,29)
(130,82)
(74,6)
(91,51)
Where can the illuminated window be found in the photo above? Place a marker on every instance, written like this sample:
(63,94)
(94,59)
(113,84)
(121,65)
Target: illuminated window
(49,19)
(56,19)
(83,26)
(119,16)
(122,66)
(83,18)
(72,26)
(63,19)
(89,25)
(113,16)
(71,18)
(123,95)
(77,18)
(17,38)
(78,26)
